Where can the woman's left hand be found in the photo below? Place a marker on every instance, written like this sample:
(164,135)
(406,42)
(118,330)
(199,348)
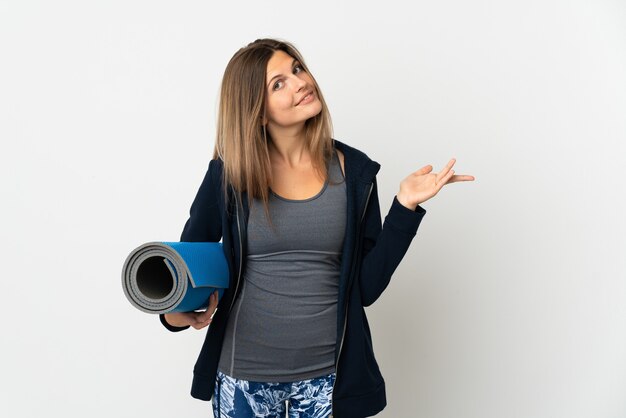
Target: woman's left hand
(421,185)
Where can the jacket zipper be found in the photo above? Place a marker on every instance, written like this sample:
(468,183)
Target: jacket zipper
(345,316)
(240,253)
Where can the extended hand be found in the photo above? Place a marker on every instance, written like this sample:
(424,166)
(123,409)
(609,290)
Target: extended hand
(197,320)
(421,185)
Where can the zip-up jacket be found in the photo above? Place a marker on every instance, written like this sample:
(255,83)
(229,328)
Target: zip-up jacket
(371,253)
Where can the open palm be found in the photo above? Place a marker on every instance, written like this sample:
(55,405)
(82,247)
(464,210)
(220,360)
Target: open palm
(422,184)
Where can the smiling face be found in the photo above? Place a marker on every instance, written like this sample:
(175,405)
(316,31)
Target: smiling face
(291,94)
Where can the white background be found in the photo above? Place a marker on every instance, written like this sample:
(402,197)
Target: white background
(511,301)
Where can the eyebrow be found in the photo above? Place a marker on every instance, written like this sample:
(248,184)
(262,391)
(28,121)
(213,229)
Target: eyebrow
(293,64)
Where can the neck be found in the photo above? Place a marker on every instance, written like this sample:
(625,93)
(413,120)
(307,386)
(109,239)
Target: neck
(288,147)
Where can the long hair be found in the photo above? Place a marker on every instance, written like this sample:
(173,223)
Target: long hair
(242,140)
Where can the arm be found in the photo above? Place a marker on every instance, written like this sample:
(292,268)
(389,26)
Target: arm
(204,225)
(205,220)
(384,248)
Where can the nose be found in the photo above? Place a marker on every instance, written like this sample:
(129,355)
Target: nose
(298,83)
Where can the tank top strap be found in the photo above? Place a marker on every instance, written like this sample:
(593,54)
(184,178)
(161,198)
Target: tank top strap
(334,171)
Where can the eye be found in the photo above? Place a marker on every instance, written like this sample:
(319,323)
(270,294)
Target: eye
(278,84)
(297,69)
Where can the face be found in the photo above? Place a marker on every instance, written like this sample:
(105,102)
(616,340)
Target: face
(291,94)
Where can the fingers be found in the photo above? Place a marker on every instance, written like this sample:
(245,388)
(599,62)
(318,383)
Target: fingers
(200,325)
(458,178)
(447,176)
(200,322)
(210,310)
(202,319)
(444,180)
(424,170)
(212,303)
(446,170)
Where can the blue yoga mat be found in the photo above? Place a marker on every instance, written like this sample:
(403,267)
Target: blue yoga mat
(163,277)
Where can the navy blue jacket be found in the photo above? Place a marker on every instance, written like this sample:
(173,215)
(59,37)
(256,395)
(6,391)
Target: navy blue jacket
(371,253)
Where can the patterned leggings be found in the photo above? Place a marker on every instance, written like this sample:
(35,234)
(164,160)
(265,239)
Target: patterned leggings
(235,398)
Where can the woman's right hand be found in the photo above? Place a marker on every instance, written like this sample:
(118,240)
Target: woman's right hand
(198,320)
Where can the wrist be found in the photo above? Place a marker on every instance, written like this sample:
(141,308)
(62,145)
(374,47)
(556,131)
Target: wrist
(175,320)
(405,202)
(167,323)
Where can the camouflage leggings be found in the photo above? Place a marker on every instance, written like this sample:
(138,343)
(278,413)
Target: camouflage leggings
(235,398)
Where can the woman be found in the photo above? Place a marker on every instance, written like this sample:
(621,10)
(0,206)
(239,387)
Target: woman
(299,218)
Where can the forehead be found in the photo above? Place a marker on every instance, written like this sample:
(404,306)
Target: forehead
(279,62)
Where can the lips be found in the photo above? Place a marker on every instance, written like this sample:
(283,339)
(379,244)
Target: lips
(310,92)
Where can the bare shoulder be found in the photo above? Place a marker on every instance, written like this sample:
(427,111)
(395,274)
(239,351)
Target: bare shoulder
(340,155)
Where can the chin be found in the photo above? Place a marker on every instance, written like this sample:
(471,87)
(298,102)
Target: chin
(303,115)
(316,108)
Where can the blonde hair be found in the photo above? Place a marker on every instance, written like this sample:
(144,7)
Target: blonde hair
(241,141)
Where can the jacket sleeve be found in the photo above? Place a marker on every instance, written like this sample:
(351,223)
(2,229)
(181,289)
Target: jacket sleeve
(205,221)
(384,246)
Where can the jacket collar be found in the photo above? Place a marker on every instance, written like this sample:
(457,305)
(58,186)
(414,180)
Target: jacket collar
(357,164)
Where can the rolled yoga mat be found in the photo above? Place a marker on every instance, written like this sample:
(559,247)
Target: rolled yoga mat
(163,277)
